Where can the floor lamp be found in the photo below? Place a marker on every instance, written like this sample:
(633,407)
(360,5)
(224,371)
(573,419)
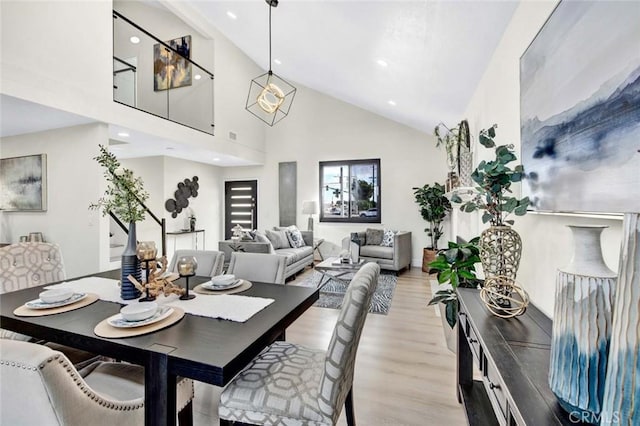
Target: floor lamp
(310,208)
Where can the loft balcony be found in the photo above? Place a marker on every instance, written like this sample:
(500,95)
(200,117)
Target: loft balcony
(159,77)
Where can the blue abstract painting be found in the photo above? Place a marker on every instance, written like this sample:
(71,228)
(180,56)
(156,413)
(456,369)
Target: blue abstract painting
(580,109)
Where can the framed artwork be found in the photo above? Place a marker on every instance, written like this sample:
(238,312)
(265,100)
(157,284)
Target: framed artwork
(580,109)
(171,70)
(23,183)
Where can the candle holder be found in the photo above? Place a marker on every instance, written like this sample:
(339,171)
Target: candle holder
(146,252)
(187,267)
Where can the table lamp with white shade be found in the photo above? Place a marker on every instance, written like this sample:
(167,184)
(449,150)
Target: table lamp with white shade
(310,208)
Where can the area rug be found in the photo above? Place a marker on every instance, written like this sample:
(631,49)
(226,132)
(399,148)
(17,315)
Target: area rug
(332,293)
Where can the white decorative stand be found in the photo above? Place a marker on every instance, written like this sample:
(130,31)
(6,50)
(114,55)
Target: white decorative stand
(582,326)
(622,385)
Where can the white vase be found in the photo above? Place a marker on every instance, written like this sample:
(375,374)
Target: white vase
(622,385)
(582,326)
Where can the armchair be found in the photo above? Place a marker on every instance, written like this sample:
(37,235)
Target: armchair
(393,258)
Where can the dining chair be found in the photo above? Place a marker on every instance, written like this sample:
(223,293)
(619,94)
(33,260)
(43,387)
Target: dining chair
(267,268)
(104,393)
(210,262)
(291,384)
(30,264)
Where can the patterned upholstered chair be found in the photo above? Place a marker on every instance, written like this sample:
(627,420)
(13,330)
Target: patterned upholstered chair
(25,265)
(267,268)
(289,384)
(40,386)
(210,262)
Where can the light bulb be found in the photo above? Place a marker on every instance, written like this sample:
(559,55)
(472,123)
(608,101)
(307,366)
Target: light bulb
(270,98)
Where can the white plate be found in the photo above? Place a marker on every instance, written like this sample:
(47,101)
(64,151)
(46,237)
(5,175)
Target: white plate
(39,304)
(210,286)
(221,280)
(118,322)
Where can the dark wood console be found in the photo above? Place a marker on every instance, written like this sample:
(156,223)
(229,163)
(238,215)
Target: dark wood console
(512,356)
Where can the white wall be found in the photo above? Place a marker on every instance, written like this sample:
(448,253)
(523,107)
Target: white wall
(321,128)
(46,60)
(74,181)
(547,242)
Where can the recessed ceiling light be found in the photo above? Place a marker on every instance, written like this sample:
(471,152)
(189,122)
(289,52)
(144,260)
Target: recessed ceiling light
(169,148)
(123,134)
(134,39)
(197,76)
(216,159)
(382,62)
(231,15)
(277,61)
(392,103)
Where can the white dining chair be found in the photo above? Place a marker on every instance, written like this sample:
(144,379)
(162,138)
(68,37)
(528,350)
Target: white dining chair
(266,268)
(104,393)
(210,262)
(290,384)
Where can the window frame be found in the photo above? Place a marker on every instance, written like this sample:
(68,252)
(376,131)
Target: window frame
(377,184)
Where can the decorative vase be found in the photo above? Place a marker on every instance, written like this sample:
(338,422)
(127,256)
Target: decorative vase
(582,326)
(622,383)
(130,266)
(192,223)
(500,251)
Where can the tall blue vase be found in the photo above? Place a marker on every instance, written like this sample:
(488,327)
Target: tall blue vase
(130,266)
(582,327)
(621,405)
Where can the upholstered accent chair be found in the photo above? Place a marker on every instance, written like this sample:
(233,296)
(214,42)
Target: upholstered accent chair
(288,384)
(210,262)
(40,386)
(268,268)
(395,257)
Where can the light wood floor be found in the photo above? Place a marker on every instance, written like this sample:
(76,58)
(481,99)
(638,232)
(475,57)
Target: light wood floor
(404,373)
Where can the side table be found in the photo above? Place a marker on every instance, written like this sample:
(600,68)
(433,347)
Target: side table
(317,242)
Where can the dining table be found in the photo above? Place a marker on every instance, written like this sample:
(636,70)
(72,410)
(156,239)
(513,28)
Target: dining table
(205,349)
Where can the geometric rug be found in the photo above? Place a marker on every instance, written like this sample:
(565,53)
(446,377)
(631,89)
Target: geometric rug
(332,293)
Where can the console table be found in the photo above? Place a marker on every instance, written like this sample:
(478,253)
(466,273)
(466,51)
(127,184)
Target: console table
(183,232)
(512,356)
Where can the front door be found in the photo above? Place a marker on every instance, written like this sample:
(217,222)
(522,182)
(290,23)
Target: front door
(240,205)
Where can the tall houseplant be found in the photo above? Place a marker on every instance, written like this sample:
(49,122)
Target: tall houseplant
(434,207)
(500,246)
(123,198)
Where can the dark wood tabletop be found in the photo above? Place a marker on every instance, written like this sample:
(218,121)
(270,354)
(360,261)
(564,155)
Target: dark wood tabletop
(204,349)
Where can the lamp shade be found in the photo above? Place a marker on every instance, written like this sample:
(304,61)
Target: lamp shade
(309,207)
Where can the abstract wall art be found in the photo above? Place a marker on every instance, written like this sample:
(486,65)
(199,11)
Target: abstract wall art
(580,109)
(23,183)
(171,70)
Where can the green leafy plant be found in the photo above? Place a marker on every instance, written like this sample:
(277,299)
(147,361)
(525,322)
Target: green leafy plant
(124,193)
(494,179)
(455,266)
(434,207)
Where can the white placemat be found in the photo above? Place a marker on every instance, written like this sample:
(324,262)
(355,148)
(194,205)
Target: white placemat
(227,306)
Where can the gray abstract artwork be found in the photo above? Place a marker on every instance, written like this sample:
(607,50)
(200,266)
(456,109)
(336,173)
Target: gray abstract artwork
(580,109)
(23,183)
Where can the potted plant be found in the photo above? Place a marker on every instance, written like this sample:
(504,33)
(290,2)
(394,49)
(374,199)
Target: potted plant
(455,267)
(123,198)
(500,245)
(434,207)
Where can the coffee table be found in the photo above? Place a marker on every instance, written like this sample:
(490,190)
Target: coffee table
(332,269)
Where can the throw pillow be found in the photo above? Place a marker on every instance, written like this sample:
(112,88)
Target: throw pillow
(374,236)
(387,239)
(261,238)
(278,239)
(295,237)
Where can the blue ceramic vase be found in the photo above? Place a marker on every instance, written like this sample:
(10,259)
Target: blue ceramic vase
(622,386)
(130,266)
(582,327)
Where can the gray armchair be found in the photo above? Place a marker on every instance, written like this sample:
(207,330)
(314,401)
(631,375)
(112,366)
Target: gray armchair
(393,258)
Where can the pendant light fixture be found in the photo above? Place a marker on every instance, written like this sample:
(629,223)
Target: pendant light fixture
(270,97)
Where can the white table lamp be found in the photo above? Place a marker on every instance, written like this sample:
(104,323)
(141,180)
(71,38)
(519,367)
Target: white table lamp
(310,208)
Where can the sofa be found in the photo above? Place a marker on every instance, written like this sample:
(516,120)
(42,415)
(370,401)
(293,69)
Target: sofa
(296,258)
(394,258)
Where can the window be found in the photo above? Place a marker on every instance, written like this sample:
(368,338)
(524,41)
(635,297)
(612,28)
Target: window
(350,191)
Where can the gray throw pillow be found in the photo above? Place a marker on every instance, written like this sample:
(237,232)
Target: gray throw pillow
(278,239)
(261,238)
(374,236)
